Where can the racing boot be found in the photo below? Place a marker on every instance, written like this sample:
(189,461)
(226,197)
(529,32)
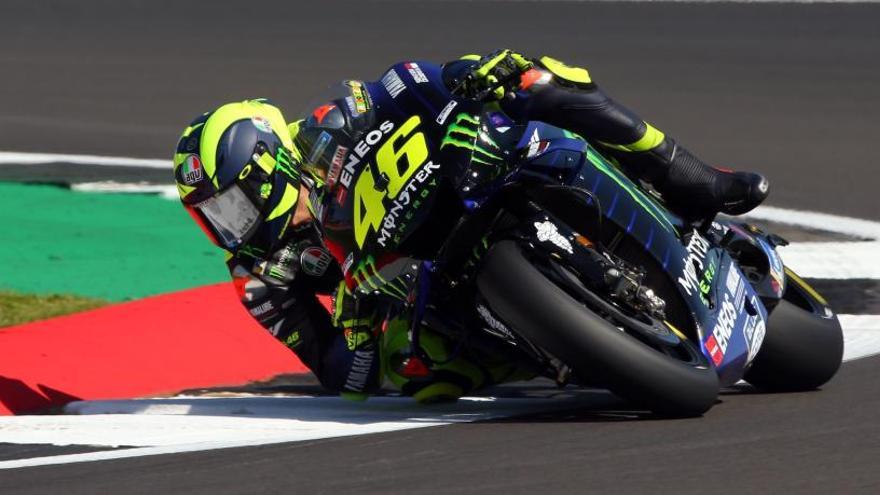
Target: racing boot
(696,191)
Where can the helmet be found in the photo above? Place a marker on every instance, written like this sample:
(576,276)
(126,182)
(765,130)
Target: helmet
(237,170)
(333,123)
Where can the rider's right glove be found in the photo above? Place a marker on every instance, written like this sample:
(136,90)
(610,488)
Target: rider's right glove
(495,74)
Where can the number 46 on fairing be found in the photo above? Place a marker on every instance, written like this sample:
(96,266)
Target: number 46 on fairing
(405,151)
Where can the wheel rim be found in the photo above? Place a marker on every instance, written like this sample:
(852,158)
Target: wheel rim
(653,332)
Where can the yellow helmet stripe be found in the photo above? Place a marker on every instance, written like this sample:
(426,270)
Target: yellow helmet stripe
(293,130)
(178,159)
(184,191)
(189,130)
(288,200)
(225,116)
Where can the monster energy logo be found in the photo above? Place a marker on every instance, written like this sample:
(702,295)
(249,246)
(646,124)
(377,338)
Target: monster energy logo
(277,272)
(251,251)
(465,132)
(284,163)
(363,276)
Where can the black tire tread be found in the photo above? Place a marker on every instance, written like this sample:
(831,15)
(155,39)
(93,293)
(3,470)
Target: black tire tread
(546,315)
(801,351)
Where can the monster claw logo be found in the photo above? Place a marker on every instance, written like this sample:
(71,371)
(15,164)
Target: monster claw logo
(465,132)
(284,163)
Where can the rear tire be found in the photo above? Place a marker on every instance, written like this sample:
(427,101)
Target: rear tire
(549,317)
(802,349)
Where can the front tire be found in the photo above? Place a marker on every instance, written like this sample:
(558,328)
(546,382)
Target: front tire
(803,347)
(549,317)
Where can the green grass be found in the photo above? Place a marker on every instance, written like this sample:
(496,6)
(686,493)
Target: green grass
(18,308)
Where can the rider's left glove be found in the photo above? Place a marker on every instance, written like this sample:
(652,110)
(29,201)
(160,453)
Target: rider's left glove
(499,71)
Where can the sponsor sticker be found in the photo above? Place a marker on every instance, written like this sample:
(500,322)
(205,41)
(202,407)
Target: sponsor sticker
(359,371)
(361,149)
(734,280)
(694,263)
(547,232)
(314,261)
(495,326)
(536,149)
(444,114)
(393,84)
(359,97)
(717,343)
(416,72)
(261,123)
(192,170)
(754,332)
(534,137)
(262,309)
(714,350)
(735,286)
(407,196)
(336,165)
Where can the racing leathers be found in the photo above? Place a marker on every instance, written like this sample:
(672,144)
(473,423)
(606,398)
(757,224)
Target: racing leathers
(278,281)
(279,284)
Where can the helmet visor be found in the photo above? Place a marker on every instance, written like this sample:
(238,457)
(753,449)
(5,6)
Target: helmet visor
(231,215)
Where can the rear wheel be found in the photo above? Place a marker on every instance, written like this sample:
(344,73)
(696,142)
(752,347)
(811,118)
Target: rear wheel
(803,347)
(668,383)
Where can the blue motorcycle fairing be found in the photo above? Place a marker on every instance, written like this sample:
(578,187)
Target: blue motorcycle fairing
(772,285)
(475,147)
(698,268)
(737,323)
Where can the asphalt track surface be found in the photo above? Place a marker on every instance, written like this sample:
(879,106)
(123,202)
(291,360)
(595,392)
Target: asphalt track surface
(789,89)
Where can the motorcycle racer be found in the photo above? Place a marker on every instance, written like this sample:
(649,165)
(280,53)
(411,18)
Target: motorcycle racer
(256,186)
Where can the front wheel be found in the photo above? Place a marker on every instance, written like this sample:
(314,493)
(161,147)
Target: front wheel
(803,347)
(548,316)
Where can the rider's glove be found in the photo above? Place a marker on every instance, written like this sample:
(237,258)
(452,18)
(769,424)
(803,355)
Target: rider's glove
(496,74)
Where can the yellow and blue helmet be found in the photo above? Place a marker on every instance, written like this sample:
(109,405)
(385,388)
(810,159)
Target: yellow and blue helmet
(237,170)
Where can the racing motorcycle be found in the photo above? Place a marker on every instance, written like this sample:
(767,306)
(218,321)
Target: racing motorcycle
(523,241)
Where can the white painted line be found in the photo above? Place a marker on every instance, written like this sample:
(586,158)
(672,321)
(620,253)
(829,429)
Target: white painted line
(861,336)
(165,191)
(857,227)
(17,158)
(189,424)
(832,260)
(164,426)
